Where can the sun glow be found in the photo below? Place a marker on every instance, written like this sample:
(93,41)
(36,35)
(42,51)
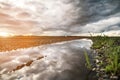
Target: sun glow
(5,34)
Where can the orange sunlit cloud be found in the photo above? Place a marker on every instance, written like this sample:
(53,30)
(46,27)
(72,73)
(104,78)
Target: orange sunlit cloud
(14,20)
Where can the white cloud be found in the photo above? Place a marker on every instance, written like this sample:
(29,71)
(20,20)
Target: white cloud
(63,17)
(101,25)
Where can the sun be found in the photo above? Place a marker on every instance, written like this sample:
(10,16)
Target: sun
(5,34)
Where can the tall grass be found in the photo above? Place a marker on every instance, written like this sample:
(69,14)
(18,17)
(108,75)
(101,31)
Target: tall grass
(88,63)
(108,50)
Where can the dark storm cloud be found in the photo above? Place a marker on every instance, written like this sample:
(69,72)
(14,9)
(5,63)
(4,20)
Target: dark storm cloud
(65,17)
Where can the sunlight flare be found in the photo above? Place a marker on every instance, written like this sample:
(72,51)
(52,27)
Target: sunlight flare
(5,34)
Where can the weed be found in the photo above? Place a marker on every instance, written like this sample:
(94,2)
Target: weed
(88,63)
(108,50)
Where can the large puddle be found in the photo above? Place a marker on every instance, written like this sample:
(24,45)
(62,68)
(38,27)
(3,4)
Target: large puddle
(62,61)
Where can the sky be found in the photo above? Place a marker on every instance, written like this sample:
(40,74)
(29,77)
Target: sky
(59,17)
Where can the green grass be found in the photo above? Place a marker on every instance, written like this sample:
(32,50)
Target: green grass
(108,49)
(88,63)
(113,59)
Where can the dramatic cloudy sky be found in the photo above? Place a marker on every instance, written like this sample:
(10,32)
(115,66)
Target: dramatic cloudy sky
(59,17)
